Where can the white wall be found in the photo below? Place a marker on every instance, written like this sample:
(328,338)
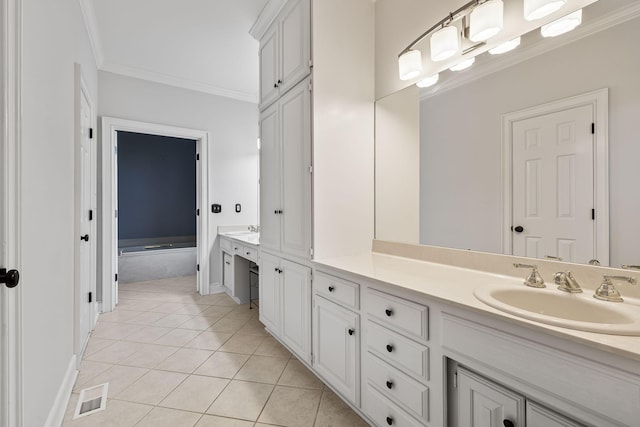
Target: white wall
(233,153)
(461,133)
(54,38)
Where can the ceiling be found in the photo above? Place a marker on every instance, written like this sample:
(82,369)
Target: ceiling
(201,45)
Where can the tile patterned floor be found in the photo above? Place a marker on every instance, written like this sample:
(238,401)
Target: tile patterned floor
(175,358)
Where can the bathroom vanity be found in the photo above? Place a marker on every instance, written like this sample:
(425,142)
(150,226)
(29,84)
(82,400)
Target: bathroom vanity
(239,250)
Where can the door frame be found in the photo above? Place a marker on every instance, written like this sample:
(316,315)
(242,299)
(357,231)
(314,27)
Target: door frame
(81,90)
(109,238)
(11,397)
(599,100)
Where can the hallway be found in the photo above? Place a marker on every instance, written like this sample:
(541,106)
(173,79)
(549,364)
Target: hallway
(175,358)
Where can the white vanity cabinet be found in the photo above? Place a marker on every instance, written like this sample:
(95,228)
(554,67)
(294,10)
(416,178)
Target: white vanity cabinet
(236,258)
(285,173)
(285,51)
(285,302)
(336,334)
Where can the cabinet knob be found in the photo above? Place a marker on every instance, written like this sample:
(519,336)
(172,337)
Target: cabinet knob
(85,237)
(351,331)
(275,212)
(331,288)
(388,312)
(389,348)
(390,421)
(279,82)
(389,384)
(248,253)
(275,85)
(508,423)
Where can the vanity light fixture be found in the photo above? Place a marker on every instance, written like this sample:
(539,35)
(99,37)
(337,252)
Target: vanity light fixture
(444,43)
(486,20)
(562,25)
(536,9)
(410,64)
(464,64)
(506,46)
(428,81)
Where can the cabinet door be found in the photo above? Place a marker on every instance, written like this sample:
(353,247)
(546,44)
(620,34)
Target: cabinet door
(295,35)
(295,137)
(269,45)
(296,309)
(336,347)
(227,270)
(539,416)
(270,205)
(482,403)
(270,292)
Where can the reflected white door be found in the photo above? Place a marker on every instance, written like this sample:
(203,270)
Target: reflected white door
(553,185)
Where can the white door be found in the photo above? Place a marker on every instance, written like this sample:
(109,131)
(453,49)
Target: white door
(539,416)
(295,51)
(270,207)
(553,186)
(269,66)
(270,290)
(296,309)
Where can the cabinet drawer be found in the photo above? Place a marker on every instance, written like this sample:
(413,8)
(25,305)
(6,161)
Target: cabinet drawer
(398,313)
(250,253)
(225,244)
(398,350)
(384,413)
(338,290)
(237,248)
(398,387)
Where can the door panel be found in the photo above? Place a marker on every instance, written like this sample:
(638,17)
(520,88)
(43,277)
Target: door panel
(296,304)
(269,291)
(296,44)
(269,180)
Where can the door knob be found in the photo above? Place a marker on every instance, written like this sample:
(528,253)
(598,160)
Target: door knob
(508,423)
(518,229)
(9,278)
(389,385)
(351,331)
(389,348)
(85,237)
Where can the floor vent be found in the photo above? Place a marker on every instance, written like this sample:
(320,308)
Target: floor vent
(91,400)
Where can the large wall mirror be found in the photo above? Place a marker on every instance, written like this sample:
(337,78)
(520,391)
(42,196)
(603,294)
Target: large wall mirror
(444,154)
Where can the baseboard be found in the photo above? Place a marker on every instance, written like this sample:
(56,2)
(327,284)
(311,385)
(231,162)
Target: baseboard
(216,288)
(56,415)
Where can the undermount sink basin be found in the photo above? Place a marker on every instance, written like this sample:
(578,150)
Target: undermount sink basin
(554,307)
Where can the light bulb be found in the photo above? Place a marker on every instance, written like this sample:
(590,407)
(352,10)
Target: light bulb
(505,47)
(410,64)
(536,9)
(444,43)
(562,25)
(463,65)
(428,81)
(486,20)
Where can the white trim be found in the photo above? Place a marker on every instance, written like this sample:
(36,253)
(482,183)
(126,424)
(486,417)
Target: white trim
(524,53)
(59,408)
(91,24)
(170,80)
(108,259)
(268,14)
(216,288)
(599,100)
(11,392)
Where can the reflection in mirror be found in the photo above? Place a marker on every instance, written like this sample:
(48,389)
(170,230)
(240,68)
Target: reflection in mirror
(459,192)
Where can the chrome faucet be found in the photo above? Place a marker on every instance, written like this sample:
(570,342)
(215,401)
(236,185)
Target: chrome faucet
(630,267)
(607,292)
(254,228)
(534,279)
(566,282)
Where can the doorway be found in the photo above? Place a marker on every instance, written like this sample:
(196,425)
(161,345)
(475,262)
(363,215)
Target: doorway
(556,180)
(111,128)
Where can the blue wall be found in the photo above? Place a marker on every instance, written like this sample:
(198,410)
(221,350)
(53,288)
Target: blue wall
(156,186)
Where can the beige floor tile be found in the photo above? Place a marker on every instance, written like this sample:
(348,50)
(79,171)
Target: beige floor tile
(246,344)
(149,355)
(177,337)
(241,400)
(115,353)
(163,417)
(172,320)
(223,365)
(262,369)
(298,375)
(179,308)
(116,414)
(216,311)
(213,421)
(147,334)
(291,407)
(88,370)
(208,340)
(152,387)
(147,318)
(97,344)
(241,312)
(121,316)
(195,394)
(271,347)
(253,327)
(334,412)
(137,305)
(228,325)
(185,360)
(199,323)
(119,377)
(113,331)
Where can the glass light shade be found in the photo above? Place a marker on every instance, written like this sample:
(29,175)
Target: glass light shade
(410,64)
(486,20)
(536,9)
(444,43)
(428,81)
(505,47)
(463,65)
(562,25)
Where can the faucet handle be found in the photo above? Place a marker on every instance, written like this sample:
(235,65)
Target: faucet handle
(566,282)
(534,279)
(607,292)
(630,267)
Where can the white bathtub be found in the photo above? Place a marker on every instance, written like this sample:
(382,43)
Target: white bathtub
(150,262)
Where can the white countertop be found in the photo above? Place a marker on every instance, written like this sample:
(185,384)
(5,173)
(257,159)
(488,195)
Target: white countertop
(244,237)
(455,285)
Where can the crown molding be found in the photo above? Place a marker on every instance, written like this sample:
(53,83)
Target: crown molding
(166,79)
(540,47)
(266,17)
(90,22)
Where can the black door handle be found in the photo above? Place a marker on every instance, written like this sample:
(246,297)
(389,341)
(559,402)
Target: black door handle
(389,348)
(389,385)
(389,421)
(518,229)
(331,288)
(10,278)
(351,331)
(388,312)
(508,423)
(85,237)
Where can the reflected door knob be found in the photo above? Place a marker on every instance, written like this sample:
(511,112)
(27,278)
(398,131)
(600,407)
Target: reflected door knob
(10,278)
(518,229)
